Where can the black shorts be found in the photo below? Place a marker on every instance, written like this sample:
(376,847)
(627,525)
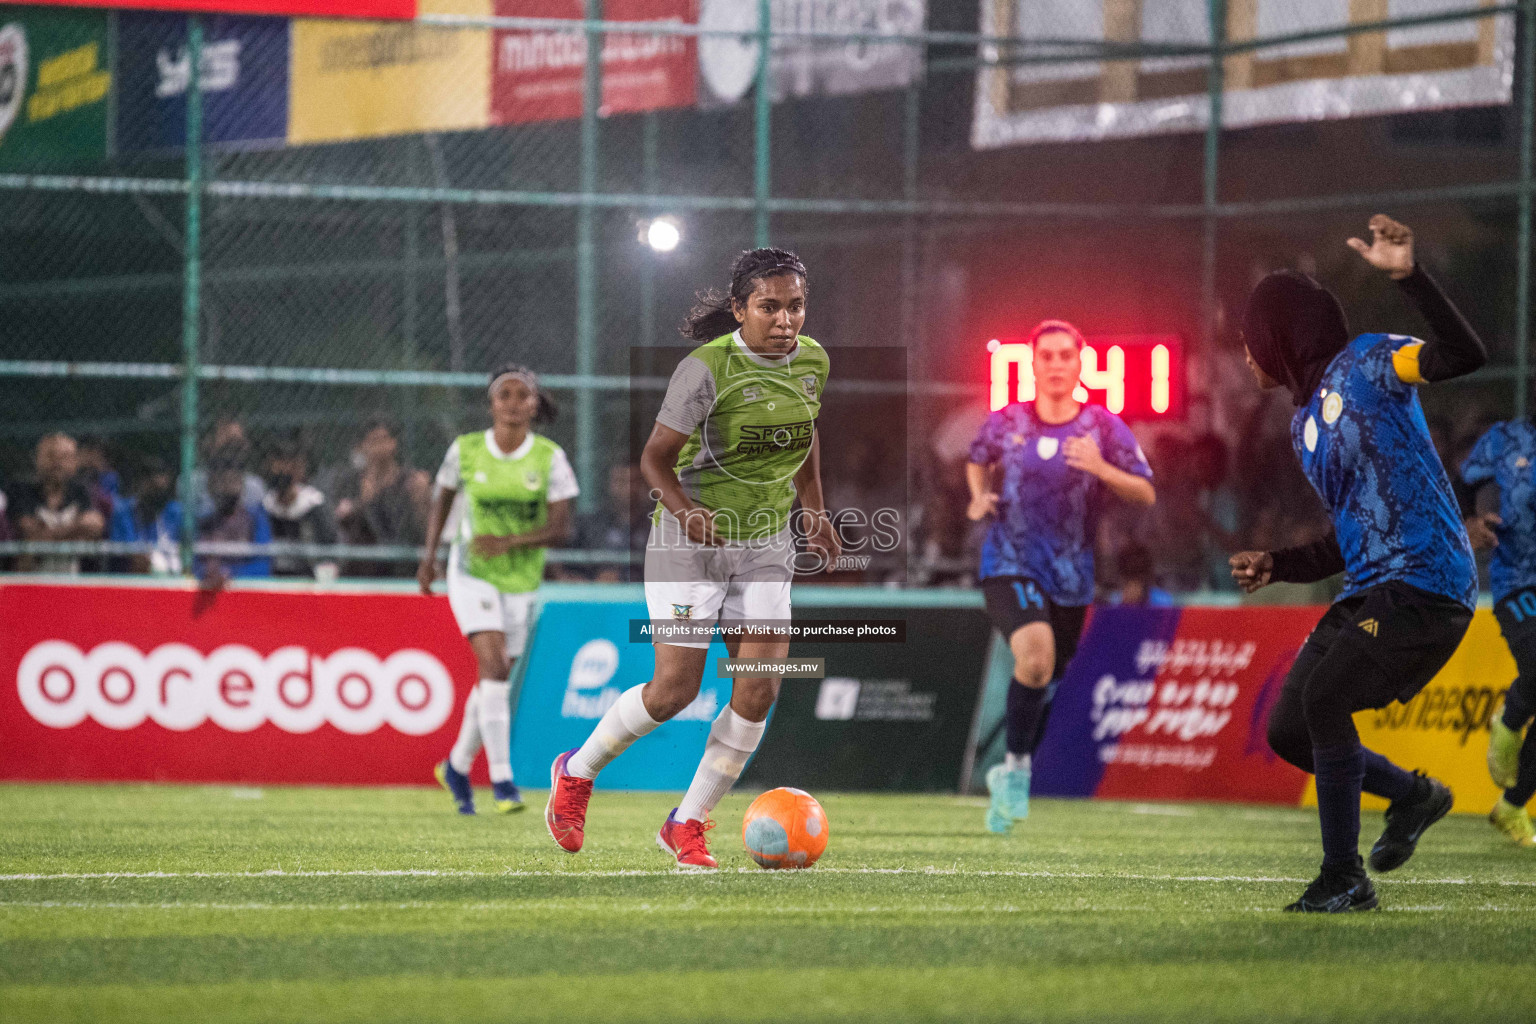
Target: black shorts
(1517,621)
(1408,633)
(1015,601)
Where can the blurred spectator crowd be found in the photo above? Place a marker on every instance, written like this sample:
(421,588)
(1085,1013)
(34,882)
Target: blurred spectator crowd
(244,495)
(1236,486)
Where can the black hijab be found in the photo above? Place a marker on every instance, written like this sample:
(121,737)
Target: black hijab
(1293,328)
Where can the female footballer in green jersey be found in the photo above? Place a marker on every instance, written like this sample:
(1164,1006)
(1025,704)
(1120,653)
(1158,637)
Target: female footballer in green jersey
(517,489)
(734,445)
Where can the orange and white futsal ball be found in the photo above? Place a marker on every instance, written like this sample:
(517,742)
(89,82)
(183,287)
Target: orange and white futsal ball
(785,828)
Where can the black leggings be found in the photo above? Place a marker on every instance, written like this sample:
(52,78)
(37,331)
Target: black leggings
(1380,645)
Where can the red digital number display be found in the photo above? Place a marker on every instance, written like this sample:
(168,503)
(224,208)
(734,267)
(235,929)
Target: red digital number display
(1134,376)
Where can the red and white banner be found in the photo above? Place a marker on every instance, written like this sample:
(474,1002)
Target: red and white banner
(538,76)
(163,683)
(1172,704)
(394,9)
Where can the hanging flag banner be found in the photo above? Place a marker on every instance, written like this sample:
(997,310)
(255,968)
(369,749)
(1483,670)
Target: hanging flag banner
(1468,62)
(244,79)
(54,86)
(539,76)
(810,67)
(358,80)
(295,8)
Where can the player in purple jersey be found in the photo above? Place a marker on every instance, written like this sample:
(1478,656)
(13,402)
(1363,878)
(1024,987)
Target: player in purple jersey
(1042,470)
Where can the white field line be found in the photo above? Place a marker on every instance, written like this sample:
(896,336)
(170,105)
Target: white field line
(673,873)
(690,910)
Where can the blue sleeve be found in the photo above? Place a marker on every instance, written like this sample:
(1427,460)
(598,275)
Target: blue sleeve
(1482,464)
(121,527)
(261,533)
(1121,450)
(988,446)
(1379,360)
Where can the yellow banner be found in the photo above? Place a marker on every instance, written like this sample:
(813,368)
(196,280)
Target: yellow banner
(1444,730)
(354,80)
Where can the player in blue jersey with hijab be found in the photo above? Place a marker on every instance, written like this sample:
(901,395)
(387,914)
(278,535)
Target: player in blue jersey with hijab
(1410,583)
(1042,470)
(1502,466)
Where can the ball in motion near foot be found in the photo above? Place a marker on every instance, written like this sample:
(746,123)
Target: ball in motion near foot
(785,828)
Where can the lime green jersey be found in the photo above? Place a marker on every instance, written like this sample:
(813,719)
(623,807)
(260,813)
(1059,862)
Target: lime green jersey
(750,420)
(505,493)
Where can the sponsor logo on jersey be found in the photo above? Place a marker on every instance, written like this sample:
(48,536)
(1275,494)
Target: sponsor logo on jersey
(773,438)
(1333,408)
(682,611)
(1370,626)
(235,688)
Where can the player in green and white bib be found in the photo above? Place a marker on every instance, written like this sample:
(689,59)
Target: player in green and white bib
(516,500)
(734,446)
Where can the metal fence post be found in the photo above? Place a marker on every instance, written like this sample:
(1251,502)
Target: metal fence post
(1215,85)
(1523,239)
(763,122)
(191,299)
(586,265)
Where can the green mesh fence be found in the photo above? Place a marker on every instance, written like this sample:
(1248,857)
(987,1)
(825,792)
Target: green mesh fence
(339,280)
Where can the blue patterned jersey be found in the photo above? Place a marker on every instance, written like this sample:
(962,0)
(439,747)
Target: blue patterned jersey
(1506,456)
(1047,512)
(1366,449)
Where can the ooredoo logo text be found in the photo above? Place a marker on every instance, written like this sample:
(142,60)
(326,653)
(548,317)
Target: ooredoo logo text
(235,688)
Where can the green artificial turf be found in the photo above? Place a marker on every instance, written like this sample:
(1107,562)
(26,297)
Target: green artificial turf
(185,903)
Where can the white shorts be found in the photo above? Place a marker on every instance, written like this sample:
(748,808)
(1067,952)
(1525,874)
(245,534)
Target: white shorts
(479,607)
(685,580)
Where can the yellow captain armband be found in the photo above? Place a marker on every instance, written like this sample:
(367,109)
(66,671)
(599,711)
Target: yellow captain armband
(1406,362)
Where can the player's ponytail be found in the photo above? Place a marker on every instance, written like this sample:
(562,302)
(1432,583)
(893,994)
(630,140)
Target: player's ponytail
(712,314)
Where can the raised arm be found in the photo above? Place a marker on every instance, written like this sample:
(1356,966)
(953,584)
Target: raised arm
(1454,348)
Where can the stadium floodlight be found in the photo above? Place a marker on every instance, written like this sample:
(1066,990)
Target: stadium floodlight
(662,234)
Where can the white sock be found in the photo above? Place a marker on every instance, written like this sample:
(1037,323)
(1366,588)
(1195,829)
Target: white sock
(620,726)
(495,706)
(732,739)
(467,746)
(1015,762)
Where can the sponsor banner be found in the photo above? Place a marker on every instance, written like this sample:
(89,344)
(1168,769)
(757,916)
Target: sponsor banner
(539,76)
(248,686)
(1452,64)
(888,716)
(294,8)
(55,82)
(355,80)
(1444,730)
(1171,704)
(809,67)
(578,666)
(243,73)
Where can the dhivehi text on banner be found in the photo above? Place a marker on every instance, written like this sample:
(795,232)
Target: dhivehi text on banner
(1458,63)
(539,76)
(243,76)
(54,86)
(809,67)
(1172,704)
(357,80)
(294,8)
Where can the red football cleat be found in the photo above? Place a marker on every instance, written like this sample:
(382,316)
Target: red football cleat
(566,812)
(685,841)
